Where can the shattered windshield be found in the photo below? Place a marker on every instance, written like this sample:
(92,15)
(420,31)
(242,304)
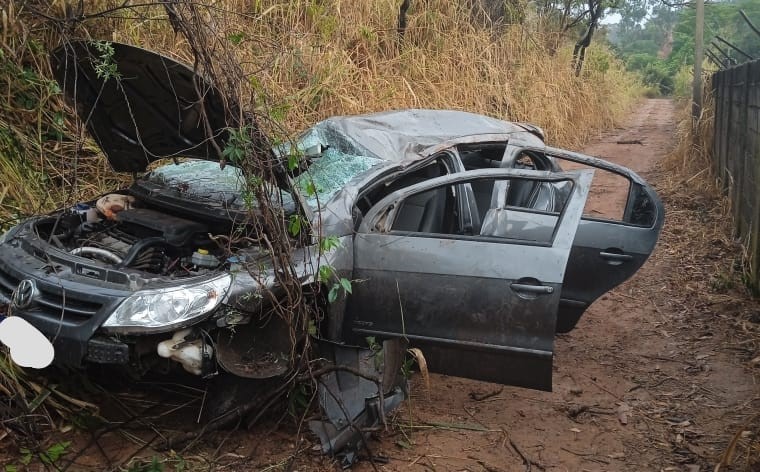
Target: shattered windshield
(330,170)
(207,183)
(327,173)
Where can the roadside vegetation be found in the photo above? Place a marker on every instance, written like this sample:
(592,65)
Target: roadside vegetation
(717,277)
(310,60)
(655,39)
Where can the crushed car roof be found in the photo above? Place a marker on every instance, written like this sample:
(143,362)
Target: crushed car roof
(402,134)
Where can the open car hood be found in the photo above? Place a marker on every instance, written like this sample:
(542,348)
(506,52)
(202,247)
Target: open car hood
(147,110)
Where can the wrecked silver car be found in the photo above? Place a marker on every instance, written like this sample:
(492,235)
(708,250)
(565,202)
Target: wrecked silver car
(462,234)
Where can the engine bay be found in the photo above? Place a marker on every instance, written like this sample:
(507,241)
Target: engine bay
(124,234)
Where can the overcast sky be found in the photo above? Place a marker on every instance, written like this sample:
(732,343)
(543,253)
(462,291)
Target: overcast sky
(611,19)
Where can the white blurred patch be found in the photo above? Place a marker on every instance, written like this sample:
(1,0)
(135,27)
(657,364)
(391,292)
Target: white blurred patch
(28,346)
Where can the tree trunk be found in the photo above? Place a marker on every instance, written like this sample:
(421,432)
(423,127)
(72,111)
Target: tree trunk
(402,20)
(579,51)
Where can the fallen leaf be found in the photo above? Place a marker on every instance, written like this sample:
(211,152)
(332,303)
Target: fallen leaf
(575,430)
(622,413)
(422,364)
(681,424)
(403,444)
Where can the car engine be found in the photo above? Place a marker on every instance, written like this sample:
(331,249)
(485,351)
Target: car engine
(142,239)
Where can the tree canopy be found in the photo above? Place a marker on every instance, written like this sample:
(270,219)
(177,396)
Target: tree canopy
(656,37)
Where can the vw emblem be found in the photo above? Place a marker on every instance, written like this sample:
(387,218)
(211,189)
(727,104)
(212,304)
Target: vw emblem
(24,294)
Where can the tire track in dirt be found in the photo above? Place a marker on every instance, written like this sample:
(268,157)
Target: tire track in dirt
(637,385)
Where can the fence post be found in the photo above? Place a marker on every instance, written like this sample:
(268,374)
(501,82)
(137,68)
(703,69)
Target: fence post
(725,175)
(746,169)
(719,80)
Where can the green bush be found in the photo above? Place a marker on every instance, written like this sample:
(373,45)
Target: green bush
(637,62)
(682,82)
(656,75)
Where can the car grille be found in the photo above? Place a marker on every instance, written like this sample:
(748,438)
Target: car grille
(55,302)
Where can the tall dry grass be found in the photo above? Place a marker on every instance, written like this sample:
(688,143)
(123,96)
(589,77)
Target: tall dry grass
(342,57)
(705,218)
(44,159)
(310,60)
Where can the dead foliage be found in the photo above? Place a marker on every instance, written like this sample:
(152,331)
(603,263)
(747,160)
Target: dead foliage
(708,290)
(45,161)
(304,61)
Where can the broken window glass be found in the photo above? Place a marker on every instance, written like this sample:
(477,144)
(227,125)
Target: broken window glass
(333,162)
(207,182)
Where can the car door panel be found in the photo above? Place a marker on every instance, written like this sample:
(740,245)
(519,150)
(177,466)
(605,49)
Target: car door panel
(606,252)
(480,307)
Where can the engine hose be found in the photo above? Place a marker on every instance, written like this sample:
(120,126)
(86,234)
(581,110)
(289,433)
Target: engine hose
(96,251)
(63,236)
(146,256)
(149,256)
(137,248)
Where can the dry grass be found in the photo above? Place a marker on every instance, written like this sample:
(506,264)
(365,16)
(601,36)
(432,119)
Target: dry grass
(44,161)
(712,268)
(310,60)
(332,58)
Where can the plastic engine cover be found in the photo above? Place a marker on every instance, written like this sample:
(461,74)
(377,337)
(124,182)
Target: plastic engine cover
(177,231)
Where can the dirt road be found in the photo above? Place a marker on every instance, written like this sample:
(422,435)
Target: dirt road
(649,379)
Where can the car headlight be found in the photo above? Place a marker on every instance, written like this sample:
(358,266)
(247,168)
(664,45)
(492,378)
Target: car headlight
(168,309)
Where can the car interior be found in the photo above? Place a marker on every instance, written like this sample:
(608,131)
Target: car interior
(444,210)
(426,212)
(421,213)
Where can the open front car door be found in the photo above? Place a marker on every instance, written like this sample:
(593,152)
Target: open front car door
(480,302)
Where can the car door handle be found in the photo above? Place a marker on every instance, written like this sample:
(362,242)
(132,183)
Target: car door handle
(613,256)
(538,289)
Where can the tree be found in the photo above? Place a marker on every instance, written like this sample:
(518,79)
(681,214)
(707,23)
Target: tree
(721,19)
(566,16)
(595,12)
